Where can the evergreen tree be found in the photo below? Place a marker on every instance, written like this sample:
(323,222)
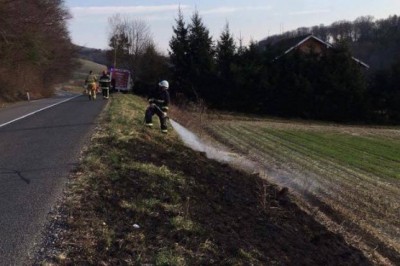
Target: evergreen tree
(345,86)
(384,94)
(225,52)
(179,56)
(201,55)
(225,56)
(328,87)
(153,69)
(248,79)
(394,93)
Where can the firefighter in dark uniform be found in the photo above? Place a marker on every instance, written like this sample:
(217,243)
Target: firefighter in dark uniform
(158,104)
(105,82)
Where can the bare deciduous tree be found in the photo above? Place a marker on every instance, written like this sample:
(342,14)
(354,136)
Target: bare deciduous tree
(132,47)
(36,50)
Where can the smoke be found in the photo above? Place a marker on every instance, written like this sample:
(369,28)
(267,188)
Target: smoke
(298,182)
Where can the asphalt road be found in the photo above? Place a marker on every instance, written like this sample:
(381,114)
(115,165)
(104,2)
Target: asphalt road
(37,153)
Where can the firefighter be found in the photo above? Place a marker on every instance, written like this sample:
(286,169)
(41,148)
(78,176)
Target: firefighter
(90,82)
(105,82)
(158,104)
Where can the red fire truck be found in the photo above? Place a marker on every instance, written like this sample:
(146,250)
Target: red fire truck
(121,80)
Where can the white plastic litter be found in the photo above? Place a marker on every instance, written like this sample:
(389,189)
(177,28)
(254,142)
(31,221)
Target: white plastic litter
(136,226)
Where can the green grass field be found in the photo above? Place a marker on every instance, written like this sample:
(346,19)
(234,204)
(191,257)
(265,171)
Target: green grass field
(355,171)
(373,154)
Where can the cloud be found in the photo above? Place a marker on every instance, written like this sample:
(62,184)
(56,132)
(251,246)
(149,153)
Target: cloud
(107,10)
(142,10)
(228,9)
(220,10)
(309,12)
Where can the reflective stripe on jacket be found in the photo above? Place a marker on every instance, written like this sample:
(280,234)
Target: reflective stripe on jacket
(105,81)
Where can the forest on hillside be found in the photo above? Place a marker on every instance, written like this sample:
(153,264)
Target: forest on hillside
(35,47)
(375,42)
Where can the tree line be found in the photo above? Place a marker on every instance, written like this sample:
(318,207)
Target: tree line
(250,79)
(227,75)
(373,41)
(35,48)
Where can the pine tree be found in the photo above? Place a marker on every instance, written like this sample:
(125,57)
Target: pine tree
(225,56)
(394,93)
(384,94)
(248,83)
(201,55)
(225,52)
(179,52)
(154,68)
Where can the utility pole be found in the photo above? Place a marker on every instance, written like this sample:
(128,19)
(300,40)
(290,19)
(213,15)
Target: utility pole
(115,52)
(115,57)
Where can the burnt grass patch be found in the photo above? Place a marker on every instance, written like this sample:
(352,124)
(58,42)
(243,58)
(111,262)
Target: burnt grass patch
(141,197)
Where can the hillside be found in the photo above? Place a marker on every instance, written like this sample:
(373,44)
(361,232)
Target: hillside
(36,52)
(85,66)
(91,54)
(76,83)
(140,197)
(374,42)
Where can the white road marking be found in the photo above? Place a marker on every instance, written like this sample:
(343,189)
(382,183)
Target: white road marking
(37,111)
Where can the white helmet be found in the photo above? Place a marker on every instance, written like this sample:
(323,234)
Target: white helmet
(164,84)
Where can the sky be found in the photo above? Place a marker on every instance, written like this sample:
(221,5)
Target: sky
(248,19)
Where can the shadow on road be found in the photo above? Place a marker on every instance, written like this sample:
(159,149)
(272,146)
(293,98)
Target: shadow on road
(22,173)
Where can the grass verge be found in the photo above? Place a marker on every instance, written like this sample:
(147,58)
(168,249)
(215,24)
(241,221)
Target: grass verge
(141,197)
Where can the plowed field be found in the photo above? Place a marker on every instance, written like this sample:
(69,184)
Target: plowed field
(347,176)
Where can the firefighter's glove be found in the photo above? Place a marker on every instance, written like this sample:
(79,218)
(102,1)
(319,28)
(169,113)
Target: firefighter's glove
(151,101)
